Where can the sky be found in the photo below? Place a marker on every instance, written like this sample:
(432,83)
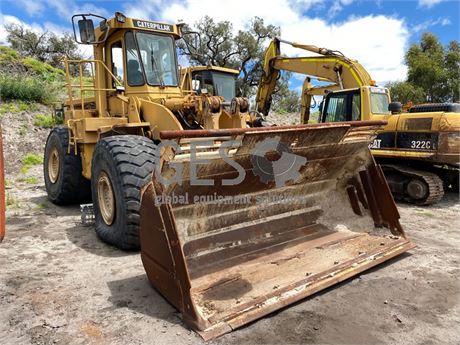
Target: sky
(375,32)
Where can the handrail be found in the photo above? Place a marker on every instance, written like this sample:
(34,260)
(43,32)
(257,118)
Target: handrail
(80,86)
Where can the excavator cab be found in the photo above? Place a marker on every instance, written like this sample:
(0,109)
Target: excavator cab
(358,104)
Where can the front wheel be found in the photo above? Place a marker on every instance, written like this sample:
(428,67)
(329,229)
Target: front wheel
(121,166)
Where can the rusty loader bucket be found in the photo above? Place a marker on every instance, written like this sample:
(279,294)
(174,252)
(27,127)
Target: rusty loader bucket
(304,208)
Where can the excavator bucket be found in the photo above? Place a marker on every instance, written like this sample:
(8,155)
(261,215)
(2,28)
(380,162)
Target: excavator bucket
(311,209)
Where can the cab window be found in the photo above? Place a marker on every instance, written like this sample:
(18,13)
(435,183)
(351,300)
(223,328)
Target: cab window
(379,103)
(158,58)
(356,107)
(225,85)
(342,106)
(135,75)
(336,109)
(117,62)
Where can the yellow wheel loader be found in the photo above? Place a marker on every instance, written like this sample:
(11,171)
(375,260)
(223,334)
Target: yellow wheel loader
(233,222)
(213,80)
(419,150)
(218,81)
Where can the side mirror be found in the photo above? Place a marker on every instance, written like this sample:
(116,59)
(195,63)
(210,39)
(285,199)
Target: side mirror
(87,34)
(395,107)
(86,28)
(195,85)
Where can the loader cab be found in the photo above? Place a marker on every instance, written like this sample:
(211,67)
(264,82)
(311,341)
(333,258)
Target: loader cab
(212,80)
(360,104)
(139,59)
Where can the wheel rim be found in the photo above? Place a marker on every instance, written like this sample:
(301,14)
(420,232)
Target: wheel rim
(417,189)
(106,198)
(53,165)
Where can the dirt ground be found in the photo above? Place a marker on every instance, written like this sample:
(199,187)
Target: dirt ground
(59,284)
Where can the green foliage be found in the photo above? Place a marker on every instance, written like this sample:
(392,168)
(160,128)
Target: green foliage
(17,107)
(44,121)
(24,76)
(285,100)
(27,88)
(23,130)
(13,63)
(220,46)
(42,46)
(11,201)
(41,206)
(29,179)
(8,55)
(8,108)
(314,117)
(43,69)
(452,65)
(434,69)
(30,160)
(405,92)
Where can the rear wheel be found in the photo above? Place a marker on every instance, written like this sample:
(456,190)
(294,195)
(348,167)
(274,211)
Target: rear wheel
(121,166)
(64,181)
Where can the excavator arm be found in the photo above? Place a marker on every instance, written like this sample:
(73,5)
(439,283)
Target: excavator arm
(331,66)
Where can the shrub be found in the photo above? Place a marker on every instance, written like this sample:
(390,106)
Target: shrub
(8,55)
(44,70)
(44,121)
(11,201)
(31,180)
(30,160)
(22,88)
(28,79)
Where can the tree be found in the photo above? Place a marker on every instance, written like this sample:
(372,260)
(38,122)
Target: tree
(452,63)
(43,46)
(285,100)
(220,46)
(434,69)
(405,92)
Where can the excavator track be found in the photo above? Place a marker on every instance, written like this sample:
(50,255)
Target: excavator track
(434,184)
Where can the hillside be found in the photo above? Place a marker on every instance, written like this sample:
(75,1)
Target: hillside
(25,127)
(28,87)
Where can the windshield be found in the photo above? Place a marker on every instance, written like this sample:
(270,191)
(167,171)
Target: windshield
(158,58)
(379,103)
(225,85)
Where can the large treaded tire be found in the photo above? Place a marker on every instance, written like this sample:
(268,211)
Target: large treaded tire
(128,161)
(71,187)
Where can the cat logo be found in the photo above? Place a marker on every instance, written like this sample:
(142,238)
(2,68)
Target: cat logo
(375,144)
(144,24)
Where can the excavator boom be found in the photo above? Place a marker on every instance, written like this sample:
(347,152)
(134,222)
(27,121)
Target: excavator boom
(340,71)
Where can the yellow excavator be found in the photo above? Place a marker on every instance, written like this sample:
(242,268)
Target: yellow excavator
(418,150)
(233,222)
